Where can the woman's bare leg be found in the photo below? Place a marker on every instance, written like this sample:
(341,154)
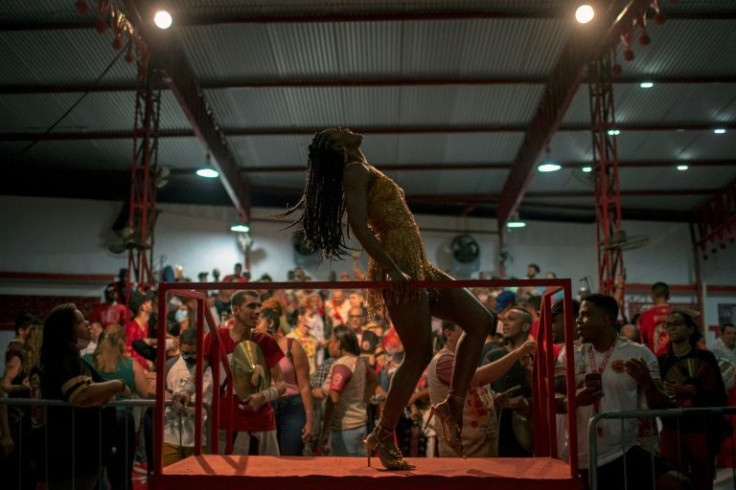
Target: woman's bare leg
(412,323)
(461,307)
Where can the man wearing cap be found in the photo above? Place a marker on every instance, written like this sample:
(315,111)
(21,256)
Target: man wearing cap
(110,312)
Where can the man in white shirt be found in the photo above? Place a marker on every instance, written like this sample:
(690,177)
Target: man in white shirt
(612,374)
(179,422)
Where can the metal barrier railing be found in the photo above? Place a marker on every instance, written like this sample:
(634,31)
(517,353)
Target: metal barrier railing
(28,452)
(638,414)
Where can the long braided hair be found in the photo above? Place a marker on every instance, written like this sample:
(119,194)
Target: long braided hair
(323,201)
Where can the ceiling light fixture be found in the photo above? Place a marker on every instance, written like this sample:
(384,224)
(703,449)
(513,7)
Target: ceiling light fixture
(646,84)
(614,132)
(587,169)
(719,131)
(515,222)
(548,167)
(584,14)
(240,228)
(207,171)
(163,19)
(682,168)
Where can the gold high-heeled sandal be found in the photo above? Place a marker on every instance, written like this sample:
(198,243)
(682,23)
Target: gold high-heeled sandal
(383,446)
(451,431)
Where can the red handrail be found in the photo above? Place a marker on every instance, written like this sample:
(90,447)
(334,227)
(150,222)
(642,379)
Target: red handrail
(543,402)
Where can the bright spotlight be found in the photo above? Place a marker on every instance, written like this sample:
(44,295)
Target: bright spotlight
(548,167)
(646,84)
(587,169)
(682,168)
(516,223)
(614,132)
(240,228)
(719,131)
(208,173)
(162,19)
(584,14)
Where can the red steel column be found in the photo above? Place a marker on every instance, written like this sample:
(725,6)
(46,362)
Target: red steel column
(143,177)
(607,191)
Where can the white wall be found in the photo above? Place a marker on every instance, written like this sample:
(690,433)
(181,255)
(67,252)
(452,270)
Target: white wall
(66,235)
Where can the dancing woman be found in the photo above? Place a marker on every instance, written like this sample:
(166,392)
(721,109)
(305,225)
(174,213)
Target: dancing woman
(340,180)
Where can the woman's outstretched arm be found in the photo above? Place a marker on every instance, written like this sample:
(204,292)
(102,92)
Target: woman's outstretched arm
(491,372)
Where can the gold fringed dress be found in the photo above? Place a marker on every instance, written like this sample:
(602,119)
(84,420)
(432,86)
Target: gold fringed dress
(392,222)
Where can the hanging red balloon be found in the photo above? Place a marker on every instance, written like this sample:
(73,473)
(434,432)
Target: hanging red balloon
(659,18)
(644,39)
(616,69)
(101,25)
(82,6)
(129,55)
(628,54)
(117,42)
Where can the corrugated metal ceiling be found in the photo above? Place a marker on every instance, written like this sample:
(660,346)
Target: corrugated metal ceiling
(526,45)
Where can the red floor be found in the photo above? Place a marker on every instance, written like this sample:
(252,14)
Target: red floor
(325,473)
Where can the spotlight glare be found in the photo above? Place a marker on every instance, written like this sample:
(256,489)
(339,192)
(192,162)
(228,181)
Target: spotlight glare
(163,19)
(587,169)
(719,131)
(548,167)
(614,132)
(682,168)
(646,84)
(584,14)
(208,173)
(240,228)
(516,224)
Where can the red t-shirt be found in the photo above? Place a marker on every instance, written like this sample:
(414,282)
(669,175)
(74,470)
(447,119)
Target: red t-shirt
(109,314)
(651,328)
(264,418)
(133,332)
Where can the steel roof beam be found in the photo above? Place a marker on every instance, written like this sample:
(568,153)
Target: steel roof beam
(183,83)
(445,167)
(491,198)
(19,89)
(291,131)
(227,17)
(583,45)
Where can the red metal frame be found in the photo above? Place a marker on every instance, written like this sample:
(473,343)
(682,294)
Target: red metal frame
(545,441)
(374,81)
(202,107)
(142,178)
(582,46)
(717,222)
(607,189)
(374,16)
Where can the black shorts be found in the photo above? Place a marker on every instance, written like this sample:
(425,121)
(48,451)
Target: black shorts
(641,468)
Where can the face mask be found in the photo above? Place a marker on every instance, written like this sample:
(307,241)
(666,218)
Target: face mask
(190,359)
(181,316)
(82,343)
(170,344)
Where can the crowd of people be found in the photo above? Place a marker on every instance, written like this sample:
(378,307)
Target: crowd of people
(329,362)
(393,373)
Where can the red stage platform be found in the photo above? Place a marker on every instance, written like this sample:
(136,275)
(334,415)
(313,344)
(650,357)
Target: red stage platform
(326,473)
